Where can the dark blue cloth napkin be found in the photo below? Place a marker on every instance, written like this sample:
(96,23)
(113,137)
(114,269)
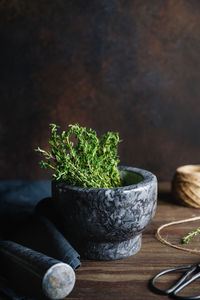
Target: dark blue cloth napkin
(18,199)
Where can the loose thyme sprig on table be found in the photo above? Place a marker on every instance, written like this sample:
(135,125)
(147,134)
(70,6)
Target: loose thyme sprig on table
(190,235)
(89,162)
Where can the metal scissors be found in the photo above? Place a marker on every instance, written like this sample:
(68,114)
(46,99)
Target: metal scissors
(191,274)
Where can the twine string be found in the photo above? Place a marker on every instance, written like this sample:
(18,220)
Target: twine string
(164,241)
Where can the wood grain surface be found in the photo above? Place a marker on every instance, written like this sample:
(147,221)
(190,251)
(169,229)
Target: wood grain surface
(128,278)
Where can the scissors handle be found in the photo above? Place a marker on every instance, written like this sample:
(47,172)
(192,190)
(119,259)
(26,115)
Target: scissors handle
(181,283)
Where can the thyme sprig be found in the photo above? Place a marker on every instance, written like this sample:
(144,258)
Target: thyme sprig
(190,235)
(89,162)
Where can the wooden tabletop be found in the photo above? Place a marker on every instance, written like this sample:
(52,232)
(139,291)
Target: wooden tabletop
(128,278)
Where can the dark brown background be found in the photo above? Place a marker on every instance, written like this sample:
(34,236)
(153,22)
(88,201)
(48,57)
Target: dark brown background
(131,66)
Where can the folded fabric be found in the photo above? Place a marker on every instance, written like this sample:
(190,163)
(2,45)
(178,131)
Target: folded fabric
(40,234)
(18,198)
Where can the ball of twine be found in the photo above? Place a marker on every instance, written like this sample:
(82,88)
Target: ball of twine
(186,185)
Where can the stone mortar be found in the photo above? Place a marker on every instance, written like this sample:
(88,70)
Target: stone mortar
(106,223)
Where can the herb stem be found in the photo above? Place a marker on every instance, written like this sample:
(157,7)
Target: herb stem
(190,235)
(89,162)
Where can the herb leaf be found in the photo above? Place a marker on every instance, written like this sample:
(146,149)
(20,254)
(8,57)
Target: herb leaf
(190,235)
(80,158)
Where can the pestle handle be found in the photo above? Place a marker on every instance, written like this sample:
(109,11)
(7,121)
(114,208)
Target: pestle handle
(20,264)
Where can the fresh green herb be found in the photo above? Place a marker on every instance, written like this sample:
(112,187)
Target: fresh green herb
(87,162)
(190,235)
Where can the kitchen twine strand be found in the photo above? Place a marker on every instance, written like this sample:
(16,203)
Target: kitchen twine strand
(185,189)
(164,241)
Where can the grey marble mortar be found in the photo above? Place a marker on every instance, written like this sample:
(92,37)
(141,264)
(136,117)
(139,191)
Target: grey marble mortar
(106,223)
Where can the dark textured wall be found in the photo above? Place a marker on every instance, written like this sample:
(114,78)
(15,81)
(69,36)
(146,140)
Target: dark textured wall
(131,66)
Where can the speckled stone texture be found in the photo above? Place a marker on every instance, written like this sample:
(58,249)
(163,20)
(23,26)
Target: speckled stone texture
(106,224)
(58,281)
